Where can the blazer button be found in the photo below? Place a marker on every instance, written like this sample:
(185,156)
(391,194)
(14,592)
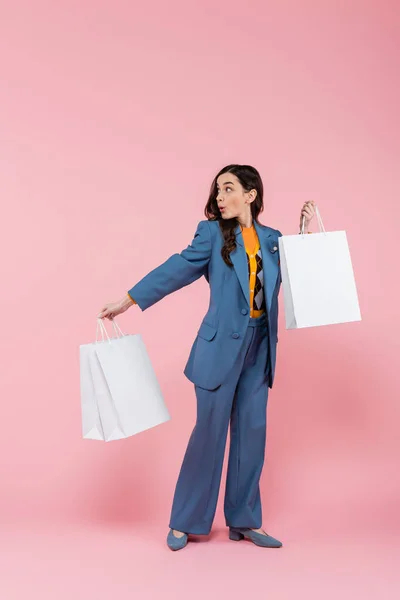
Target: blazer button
(235,335)
(244,311)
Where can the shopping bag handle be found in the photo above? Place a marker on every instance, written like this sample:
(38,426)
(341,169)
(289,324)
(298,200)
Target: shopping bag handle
(100,326)
(319,220)
(117,327)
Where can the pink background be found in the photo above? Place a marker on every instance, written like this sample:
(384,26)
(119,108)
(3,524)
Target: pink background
(114,118)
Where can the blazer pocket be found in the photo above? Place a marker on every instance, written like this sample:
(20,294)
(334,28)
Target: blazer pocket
(206,331)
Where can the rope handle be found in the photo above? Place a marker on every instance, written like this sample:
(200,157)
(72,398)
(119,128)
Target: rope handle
(102,328)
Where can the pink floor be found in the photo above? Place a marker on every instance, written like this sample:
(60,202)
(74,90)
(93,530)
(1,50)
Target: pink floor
(54,562)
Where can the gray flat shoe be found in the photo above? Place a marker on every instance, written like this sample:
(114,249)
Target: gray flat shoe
(176,543)
(267,541)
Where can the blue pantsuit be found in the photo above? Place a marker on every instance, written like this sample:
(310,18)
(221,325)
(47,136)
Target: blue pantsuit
(241,402)
(232,365)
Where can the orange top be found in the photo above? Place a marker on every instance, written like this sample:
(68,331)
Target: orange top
(252,245)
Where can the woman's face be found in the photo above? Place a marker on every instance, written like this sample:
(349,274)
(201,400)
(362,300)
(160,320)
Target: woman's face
(232,199)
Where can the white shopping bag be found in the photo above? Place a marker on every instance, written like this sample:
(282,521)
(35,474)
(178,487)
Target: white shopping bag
(317,278)
(120,394)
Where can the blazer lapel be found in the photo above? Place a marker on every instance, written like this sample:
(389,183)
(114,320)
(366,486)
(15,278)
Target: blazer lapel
(239,260)
(270,263)
(270,258)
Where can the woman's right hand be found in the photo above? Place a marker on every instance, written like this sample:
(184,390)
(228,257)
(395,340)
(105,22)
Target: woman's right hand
(308,212)
(112,309)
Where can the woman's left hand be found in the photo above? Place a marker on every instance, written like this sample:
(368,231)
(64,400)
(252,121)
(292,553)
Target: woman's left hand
(308,211)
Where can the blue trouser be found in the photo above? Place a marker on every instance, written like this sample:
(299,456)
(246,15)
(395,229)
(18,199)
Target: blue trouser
(242,402)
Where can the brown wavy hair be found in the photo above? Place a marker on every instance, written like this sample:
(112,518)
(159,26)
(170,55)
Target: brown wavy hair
(250,179)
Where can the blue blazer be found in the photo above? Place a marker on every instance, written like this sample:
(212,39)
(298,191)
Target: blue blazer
(224,325)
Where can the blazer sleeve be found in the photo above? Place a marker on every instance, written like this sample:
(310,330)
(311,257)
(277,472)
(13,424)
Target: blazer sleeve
(177,271)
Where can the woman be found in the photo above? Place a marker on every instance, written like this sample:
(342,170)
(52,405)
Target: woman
(232,360)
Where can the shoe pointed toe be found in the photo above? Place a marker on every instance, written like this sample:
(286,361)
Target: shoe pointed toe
(176,543)
(272,542)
